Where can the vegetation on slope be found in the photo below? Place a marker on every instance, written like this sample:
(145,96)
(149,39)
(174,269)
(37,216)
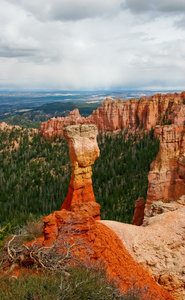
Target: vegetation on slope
(22,122)
(80,282)
(58,272)
(35,174)
(120,175)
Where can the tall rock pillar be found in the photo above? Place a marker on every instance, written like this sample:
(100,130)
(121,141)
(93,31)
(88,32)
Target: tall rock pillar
(83,150)
(166,179)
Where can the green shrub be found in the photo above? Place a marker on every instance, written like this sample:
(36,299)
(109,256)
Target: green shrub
(44,287)
(79,283)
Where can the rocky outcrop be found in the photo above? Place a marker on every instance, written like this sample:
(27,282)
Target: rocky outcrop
(166,179)
(160,246)
(77,231)
(54,126)
(139,212)
(93,240)
(178,115)
(117,114)
(83,150)
(5,126)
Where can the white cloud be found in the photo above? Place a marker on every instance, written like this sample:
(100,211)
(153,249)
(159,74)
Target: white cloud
(92,44)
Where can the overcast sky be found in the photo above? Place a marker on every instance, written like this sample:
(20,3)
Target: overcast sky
(92,44)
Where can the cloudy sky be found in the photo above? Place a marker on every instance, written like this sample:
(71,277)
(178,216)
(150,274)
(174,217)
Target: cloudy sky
(92,44)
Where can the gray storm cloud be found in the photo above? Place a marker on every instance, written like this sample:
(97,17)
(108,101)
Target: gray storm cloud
(164,6)
(68,10)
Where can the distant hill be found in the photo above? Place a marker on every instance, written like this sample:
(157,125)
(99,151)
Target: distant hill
(33,117)
(56,108)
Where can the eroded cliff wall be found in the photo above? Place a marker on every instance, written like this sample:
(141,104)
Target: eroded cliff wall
(117,114)
(166,179)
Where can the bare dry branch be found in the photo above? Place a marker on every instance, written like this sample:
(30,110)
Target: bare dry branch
(8,248)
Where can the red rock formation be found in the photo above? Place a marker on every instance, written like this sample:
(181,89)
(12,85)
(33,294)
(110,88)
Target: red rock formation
(139,212)
(5,126)
(166,179)
(54,127)
(117,114)
(79,227)
(83,150)
(178,115)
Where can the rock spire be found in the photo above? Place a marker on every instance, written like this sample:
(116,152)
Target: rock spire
(166,179)
(83,150)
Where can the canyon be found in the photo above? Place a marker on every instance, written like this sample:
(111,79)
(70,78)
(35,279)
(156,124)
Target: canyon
(150,252)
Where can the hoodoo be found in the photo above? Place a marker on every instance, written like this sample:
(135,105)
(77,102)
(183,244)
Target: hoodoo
(83,150)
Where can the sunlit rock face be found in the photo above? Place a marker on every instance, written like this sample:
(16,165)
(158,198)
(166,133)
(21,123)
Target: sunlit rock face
(166,179)
(54,126)
(139,212)
(116,114)
(5,126)
(83,150)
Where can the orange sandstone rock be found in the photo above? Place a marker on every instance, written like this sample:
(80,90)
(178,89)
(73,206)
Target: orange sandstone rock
(79,227)
(5,126)
(166,179)
(139,211)
(76,226)
(54,127)
(117,114)
(83,150)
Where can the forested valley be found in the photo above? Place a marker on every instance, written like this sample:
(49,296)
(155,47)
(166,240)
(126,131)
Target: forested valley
(35,174)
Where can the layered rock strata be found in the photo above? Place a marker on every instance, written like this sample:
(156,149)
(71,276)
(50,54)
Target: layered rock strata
(54,126)
(166,179)
(117,114)
(83,150)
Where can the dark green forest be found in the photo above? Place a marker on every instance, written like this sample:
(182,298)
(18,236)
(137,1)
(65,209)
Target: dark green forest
(120,174)
(34,176)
